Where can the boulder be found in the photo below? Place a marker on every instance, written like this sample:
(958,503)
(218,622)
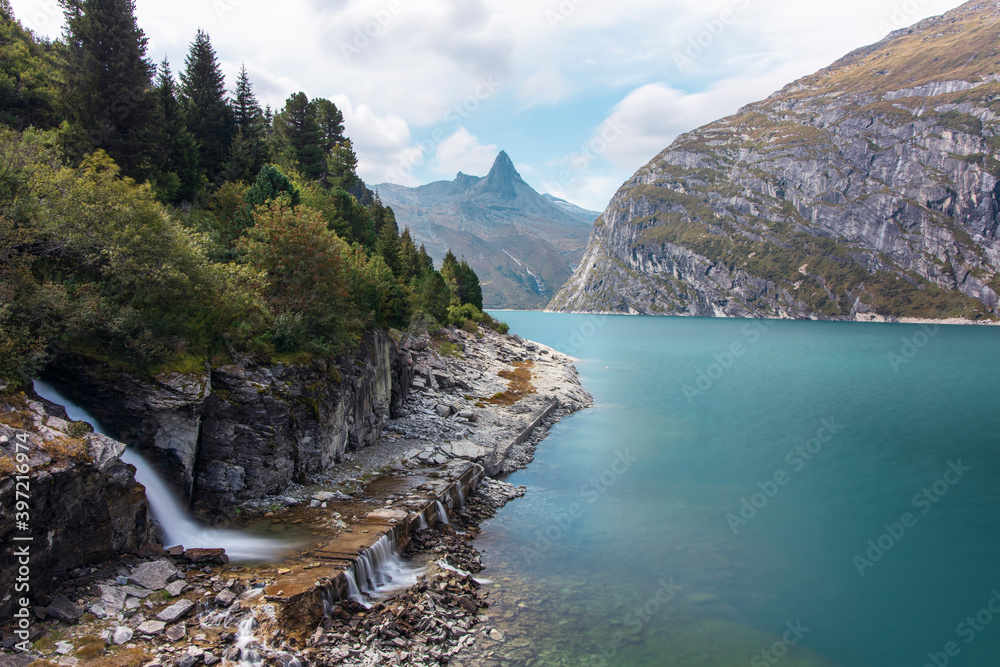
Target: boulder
(63,610)
(154,575)
(122,635)
(151,627)
(212,556)
(176,611)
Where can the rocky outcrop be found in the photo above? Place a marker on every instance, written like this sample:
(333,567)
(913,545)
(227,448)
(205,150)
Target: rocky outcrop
(267,426)
(82,505)
(869,189)
(236,433)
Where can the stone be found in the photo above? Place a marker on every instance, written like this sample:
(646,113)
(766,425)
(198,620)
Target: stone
(175,611)
(176,632)
(187,661)
(98,611)
(131,603)
(323,496)
(214,556)
(64,648)
(496,635)
(112,597)
(469,415)
(154,575)
(121,635)
(136,592)
(443,410)
(176,551)
(211,659)
(63,610)
(151,627)
(68,661)
(175,588)
(225,598)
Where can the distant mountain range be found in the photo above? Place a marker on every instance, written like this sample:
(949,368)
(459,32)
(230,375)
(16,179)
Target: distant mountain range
(523,245)
(868,190)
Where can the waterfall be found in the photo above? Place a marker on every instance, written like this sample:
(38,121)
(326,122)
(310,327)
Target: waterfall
(461,497)
(245,640)
(423,522)
(380,571)
(442,514)
(176,526)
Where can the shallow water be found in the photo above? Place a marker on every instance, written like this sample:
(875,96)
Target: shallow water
(634,545)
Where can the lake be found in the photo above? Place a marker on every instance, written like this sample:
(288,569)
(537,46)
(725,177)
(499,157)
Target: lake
(758,493)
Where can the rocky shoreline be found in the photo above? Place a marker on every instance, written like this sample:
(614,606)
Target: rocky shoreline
(484,398)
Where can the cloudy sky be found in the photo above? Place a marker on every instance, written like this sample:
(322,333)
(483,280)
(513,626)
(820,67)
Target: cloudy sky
(580,93)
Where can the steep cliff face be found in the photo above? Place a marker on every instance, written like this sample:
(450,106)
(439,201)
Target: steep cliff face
(237,433)
(867,189)
(71,480)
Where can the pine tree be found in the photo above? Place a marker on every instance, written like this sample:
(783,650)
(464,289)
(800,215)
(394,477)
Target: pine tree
(387,245)
(300,136)
(107,78)
(330,121)
(209,117)
(247,152)
(409,259)
(179,179)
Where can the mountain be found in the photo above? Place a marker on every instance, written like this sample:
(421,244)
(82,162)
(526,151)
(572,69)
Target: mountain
(523,245)
(866,190)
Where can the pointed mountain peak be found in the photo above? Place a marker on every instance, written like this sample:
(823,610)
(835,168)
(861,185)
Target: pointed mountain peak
(502,177)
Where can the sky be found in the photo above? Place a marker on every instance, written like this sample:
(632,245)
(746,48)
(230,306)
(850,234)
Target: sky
(580,93)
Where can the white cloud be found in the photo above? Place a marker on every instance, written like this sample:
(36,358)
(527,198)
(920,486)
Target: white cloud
(463,152)
(401,66)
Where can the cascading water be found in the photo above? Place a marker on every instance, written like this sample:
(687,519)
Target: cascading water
(442,514)
(177,527)
(379,571)
(423,522)
(246,641)
(461,497)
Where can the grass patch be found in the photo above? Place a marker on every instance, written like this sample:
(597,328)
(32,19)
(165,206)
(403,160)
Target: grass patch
(518,384)
(90,648)
(449,349)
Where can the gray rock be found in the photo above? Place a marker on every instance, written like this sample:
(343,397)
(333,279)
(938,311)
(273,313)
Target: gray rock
(63,610)
(444,410)
(122,635)
(176,611)
(112,597)
(154,575)
(187,661)
(176,632)
(64,648)
(151,627)
(136,592)
(98,611)
(175,588)
(225,598)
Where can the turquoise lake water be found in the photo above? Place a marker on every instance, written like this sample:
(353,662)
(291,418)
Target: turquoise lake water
(759,493)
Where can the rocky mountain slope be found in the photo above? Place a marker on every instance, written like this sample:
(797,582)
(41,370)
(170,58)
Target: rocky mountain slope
(523,245)
(870,189)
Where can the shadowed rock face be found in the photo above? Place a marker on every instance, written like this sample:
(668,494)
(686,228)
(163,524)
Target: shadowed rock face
(234,434)
(522,245)
(84,509)
(870,187)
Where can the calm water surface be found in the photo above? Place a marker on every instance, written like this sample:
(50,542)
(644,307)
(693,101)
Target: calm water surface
(759,493)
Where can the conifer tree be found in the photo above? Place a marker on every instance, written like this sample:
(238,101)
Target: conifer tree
(179,179)
(209,117)
(247,152)
(107,77)
(300,136)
